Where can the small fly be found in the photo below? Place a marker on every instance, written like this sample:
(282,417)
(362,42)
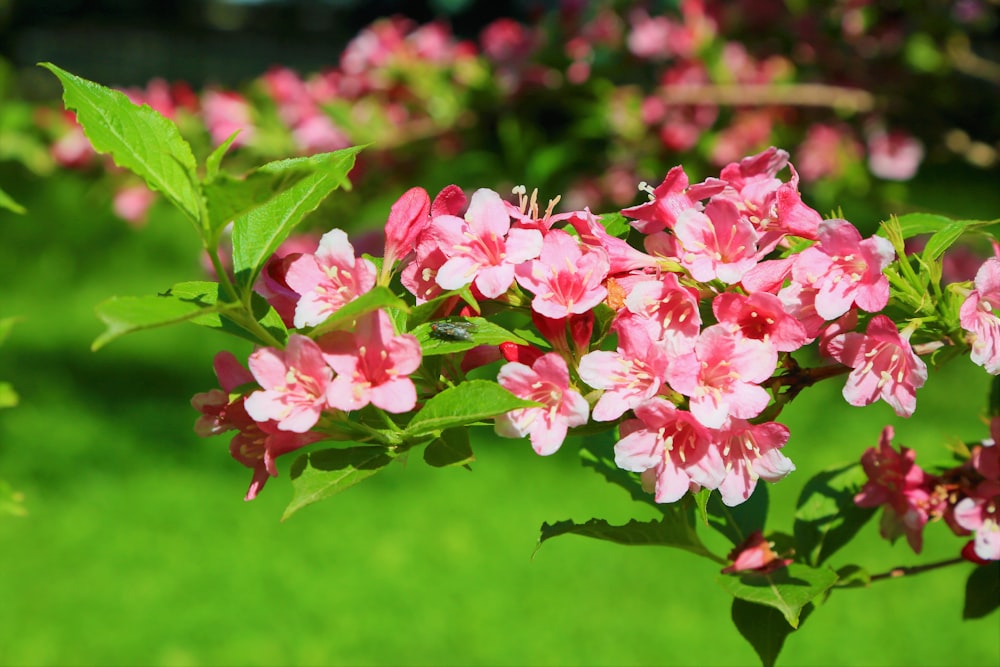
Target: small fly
(452,331)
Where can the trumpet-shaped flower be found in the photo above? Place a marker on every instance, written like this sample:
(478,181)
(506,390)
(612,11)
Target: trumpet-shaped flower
(717,244)
(760,316)
(845,270)
(214,405)
(630,376)
(978,316)
(373,365)
(750,452)
(482,248)
(721,376)
(547,382)
(294,382)
(567,277)
(329,279)
(669,311)
(884,364)
(664,444)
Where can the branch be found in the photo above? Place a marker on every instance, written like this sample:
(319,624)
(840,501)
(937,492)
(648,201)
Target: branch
(897,572)
(852,100)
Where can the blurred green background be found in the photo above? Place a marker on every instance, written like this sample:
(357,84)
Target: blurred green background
(138,547)
(139,550)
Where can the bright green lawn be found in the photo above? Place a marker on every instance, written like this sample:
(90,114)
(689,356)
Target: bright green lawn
(139,549)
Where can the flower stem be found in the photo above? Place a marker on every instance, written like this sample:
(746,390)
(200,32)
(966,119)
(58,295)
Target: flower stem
(898,572)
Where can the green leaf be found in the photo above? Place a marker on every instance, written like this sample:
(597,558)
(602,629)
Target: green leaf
(451,449)
(737,523)
(7,202)
(229,197)
(377,298)
(853,576)
(826,517)
(211,294)
(468,402)
(138,138)
(214,160)
(982,591)
(915,224)
(259,232)
(481,332)
(763,627)
(319,475)
(788,590)
(945,237)
(675,530)
(196,302)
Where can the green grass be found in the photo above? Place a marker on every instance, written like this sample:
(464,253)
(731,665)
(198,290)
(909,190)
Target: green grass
(139,549)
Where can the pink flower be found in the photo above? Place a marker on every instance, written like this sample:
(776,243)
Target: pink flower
(373,365)
(547,382)
(258,445)
(629,376)
(978,316)
(894,156)
(720,377)
(482,248)
(664,444)
(132,203)
(669,311)
(567,277)
(226,112)
(669,200)
(884,364)
(760,316)
(755,554)
(717,244)
(329,279)
(750,452)
(845,270)
(901,486)
(982,516)
(214,405)
(294,382)
(408,218)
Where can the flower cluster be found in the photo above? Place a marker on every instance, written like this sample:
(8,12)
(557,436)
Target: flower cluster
(967,496)
(704,293)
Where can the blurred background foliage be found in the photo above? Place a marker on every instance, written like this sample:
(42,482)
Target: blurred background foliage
(138,548)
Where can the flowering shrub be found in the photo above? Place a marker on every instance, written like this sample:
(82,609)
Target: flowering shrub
(677,328)
(584,100)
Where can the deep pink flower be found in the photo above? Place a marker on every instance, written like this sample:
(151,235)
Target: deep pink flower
(845,270)
(721,376)
(547,382)
(665,444)
(621,256)
(669,311)
(669,200)
(273,284)
(979,316)
(373,365)
(482,248)
(629,376)
(760,316)
(294,382)
(329,279)
(896,482)
(884,364)
(717,244)
(408,218)
(567,277)
(214,405)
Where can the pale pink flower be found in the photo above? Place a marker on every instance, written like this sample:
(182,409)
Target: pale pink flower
(721,376)
(845,270)
(663,443)
(628,376)
(294,382)
(482,248)
(895,155)
(226,112)
(979,316)
(750,452)
(760,316)
(669,310)
(622,257)
(373,363)
(898,484)
(717,244)
(328,279)
(567,278)
(980,510)
(132,203)
(547,382)
(884,364)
